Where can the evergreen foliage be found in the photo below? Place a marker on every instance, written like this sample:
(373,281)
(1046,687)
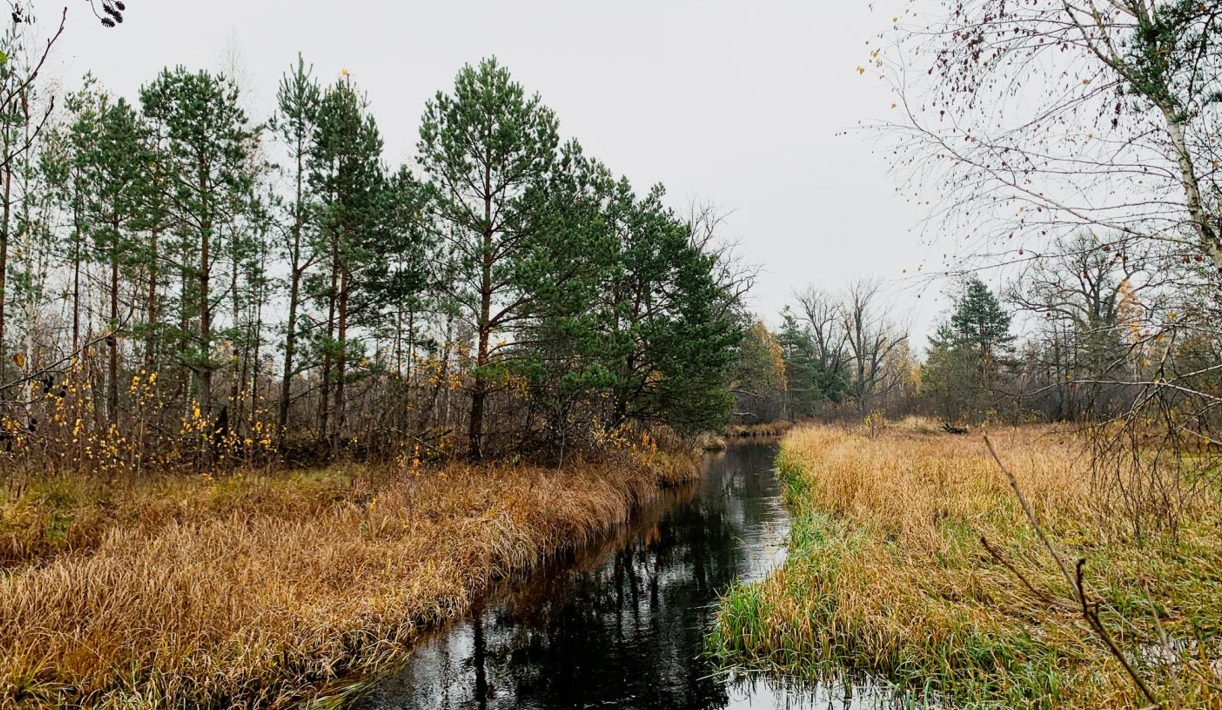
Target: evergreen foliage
(969,355)
(510,297)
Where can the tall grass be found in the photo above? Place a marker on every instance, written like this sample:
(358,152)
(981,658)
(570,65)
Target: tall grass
(769,430)
(887,574)
(253,591)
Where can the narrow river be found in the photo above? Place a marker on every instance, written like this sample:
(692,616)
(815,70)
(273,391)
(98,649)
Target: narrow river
(621,625)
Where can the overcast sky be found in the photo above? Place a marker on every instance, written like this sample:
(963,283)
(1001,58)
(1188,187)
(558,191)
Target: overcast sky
(741,104)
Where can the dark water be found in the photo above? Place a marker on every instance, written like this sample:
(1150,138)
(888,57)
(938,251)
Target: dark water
(622,625)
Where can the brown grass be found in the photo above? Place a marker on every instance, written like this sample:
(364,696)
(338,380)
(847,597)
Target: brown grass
(771,430)
(887,573)
(254,591)
(909,481)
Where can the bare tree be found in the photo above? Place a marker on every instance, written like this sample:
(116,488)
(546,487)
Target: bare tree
(823,315)
(870,340)
(706,232)
(852,349)
(1035,119)
(1088,296)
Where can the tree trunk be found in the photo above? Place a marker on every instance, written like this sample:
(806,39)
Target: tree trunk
(205,314)
(290,338)
(76,270)
(184,326)
(290,348)
(5,221)
(341,361)
(479,393)
(239,382)
(151,315)
(1206,234)
(112,337)
(256,334)
(323,429)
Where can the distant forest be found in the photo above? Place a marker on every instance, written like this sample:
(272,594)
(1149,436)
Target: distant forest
(1096,330)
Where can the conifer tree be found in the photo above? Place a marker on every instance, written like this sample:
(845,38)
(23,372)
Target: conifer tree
(969,353)
(113,166)
(346,178)
(205,182)
(982,324)
(676,328)
(485,148)
(294,124)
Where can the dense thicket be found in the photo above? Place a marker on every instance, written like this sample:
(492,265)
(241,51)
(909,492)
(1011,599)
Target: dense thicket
(186,286)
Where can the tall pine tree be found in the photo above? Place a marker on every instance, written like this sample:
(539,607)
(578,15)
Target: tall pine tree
(486,147)
(346,178)
(205,182)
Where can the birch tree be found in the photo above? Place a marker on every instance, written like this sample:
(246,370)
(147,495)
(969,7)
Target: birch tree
(1034,120)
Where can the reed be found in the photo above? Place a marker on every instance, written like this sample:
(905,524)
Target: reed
(887,575)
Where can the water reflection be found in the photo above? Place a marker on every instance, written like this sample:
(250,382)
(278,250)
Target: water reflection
(622,624)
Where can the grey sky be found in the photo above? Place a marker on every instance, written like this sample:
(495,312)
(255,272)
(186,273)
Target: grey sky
(736,103)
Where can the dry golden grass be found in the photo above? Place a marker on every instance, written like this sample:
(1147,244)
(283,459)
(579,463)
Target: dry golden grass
(887,573)
(908,481)
(252,591)
(770,430)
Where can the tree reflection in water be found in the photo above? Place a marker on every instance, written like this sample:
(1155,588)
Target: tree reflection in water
(620,625)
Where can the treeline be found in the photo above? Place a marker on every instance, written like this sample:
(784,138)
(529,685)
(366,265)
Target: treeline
(1091,330)
(184,286)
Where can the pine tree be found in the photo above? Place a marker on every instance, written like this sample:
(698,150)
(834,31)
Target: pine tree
(560,348)
(206,181)
(969,354)
(980,322)
(113,169)
(347,180)
(485,147)
(294,124)
(402,275)
(675,327)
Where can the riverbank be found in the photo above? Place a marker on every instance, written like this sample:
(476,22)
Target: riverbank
(765,432)
(619,624)
(257,591)
(887,575)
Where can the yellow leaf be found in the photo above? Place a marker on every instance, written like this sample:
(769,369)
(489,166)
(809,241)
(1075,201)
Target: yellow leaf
(20,360)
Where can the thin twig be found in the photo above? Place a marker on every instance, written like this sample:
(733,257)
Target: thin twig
(1090,611)
(1042,596)
(35,374)
(1030,515)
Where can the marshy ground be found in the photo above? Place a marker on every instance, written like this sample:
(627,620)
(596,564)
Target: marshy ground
(888,574)
(259,590)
